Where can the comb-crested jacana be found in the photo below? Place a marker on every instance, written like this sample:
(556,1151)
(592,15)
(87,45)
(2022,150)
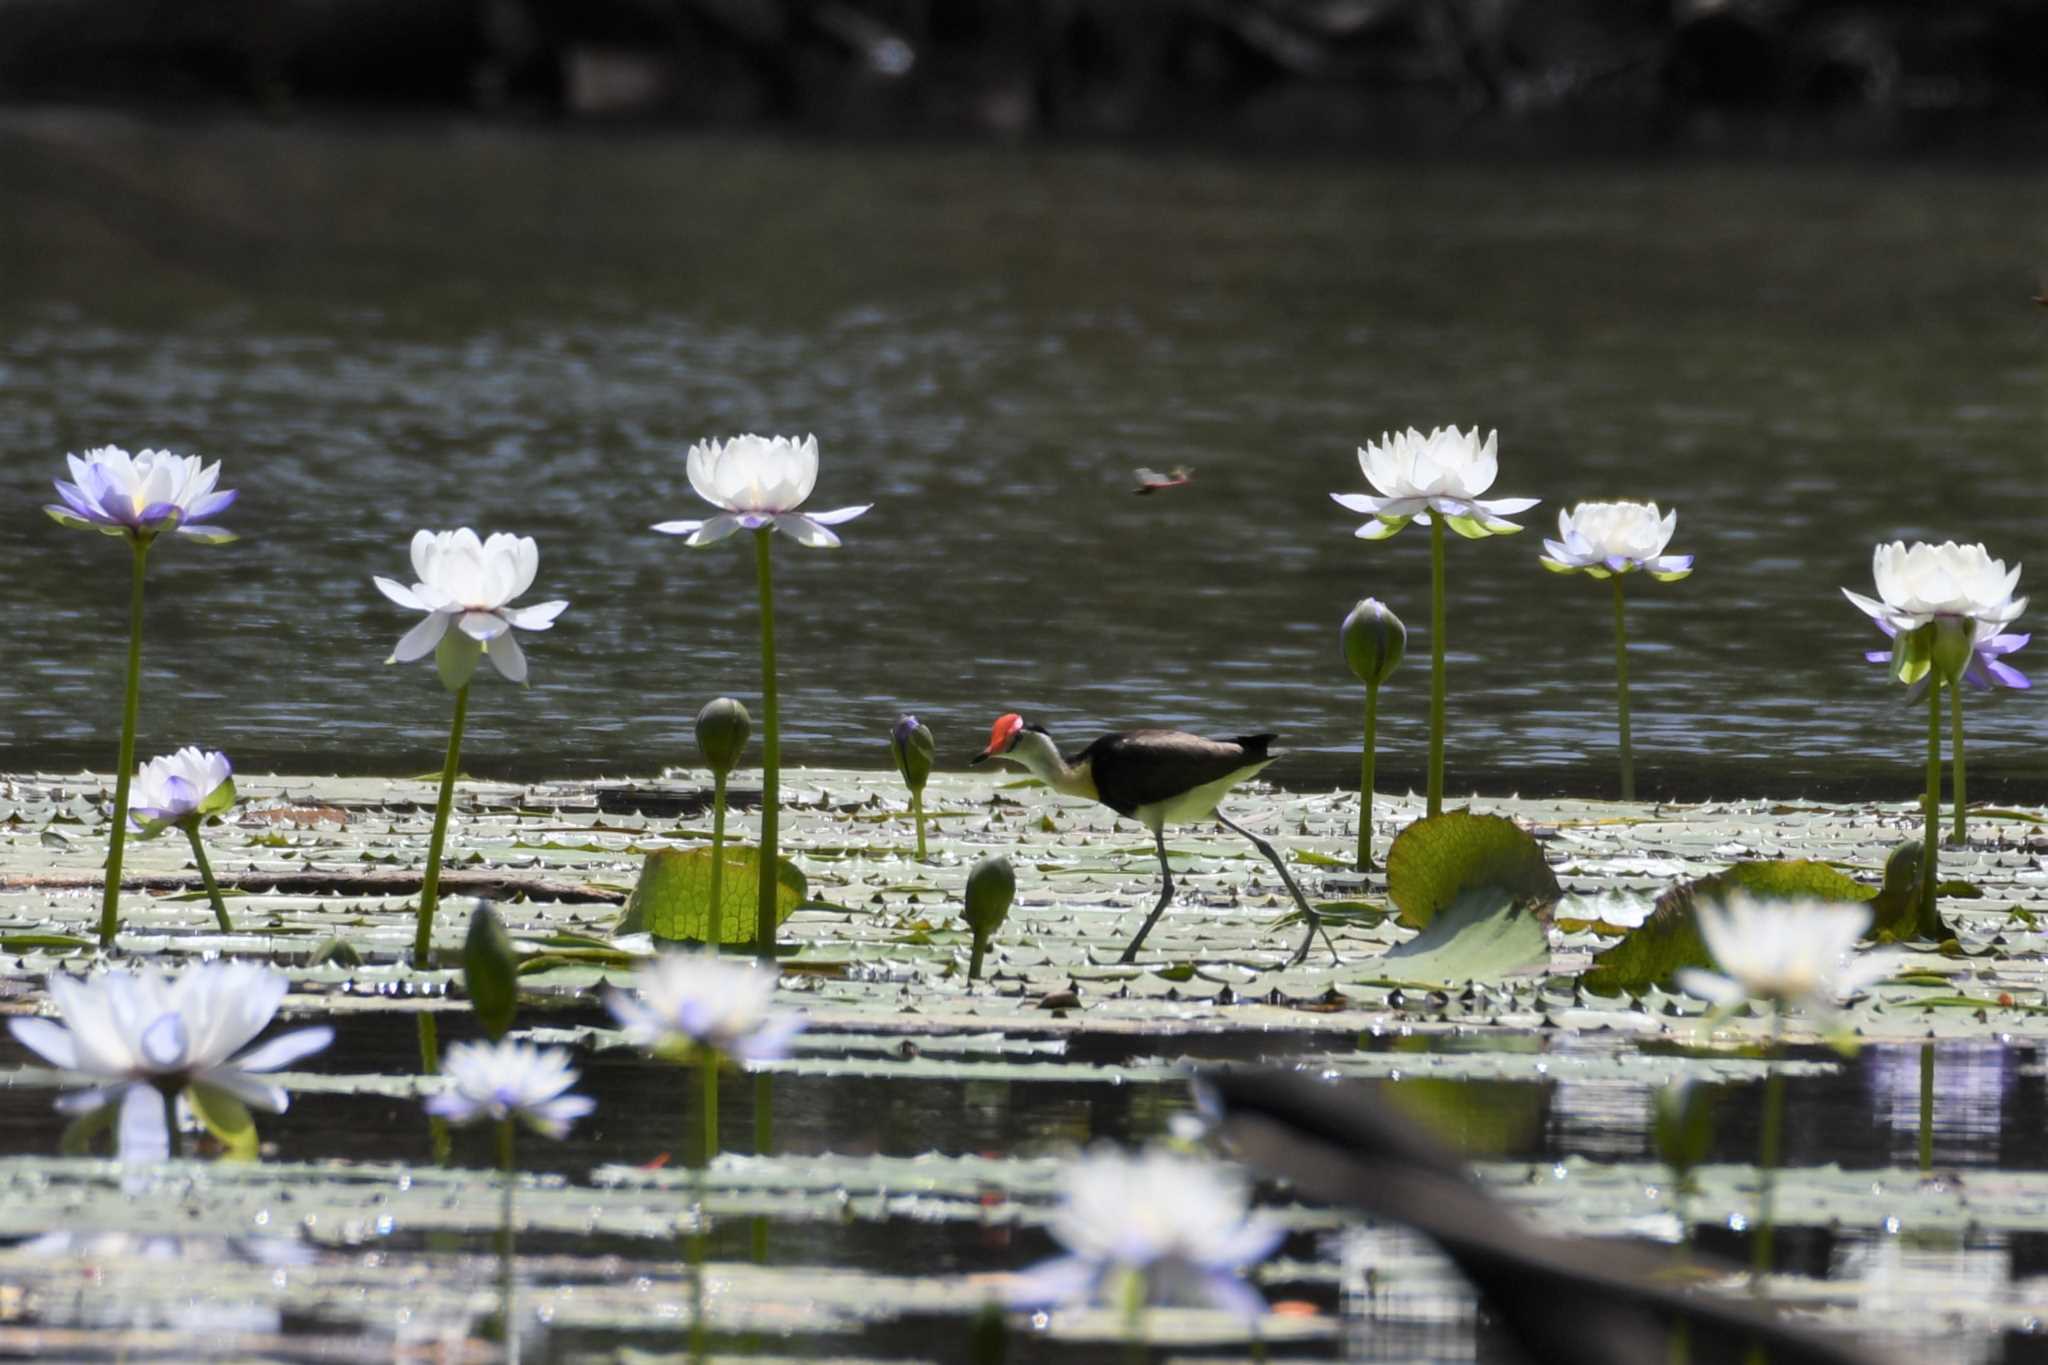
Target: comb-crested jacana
(1158,778)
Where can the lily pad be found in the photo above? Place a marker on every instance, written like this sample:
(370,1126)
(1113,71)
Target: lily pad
(1486,933)
(1670,938)
(1439,857)
(672,899)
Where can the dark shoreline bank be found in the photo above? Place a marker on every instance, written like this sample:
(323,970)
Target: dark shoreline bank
(1776,77)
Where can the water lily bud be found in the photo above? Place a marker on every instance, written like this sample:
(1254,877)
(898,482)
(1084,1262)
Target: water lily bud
(722,729)
(490,971)
(990,888)
(912,745)
(1374,641)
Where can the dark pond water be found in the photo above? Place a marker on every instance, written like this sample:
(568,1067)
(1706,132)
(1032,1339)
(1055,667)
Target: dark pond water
(380,329)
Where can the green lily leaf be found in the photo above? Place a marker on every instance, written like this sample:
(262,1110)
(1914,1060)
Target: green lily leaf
(78,1134)
(1670,938)
(226,1117)
(1485,934)
(1435,859)
(672,899)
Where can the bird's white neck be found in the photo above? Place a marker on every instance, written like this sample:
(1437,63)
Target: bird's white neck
(1037,753)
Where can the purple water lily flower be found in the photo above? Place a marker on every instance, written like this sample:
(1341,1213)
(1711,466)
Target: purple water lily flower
(141,1037)
(1987,669)
(143,495)
(697,1000)
(1177,1221)
(508,1080)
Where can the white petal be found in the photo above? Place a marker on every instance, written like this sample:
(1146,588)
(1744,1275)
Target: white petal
(49,1040)
(539,616)
(399,593)
(285,1049)
(677,528)
(838,516)
(504,651)
(718,528)
(483,625)
(419,642)
(1710,986)
(145,1131)
(804,531)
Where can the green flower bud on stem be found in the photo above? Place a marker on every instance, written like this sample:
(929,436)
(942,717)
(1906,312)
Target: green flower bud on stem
(1374,641)
(912,746)
(723,727)
(490,971)
(991,886)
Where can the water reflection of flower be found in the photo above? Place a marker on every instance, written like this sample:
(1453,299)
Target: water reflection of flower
(1971,1084)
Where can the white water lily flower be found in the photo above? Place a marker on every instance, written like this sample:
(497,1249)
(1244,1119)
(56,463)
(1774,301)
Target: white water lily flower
(1789,953)
(1924,583)
(1606,538)
(143,495)
(508,1080)
(1178,1221)
(191,782)
(699,1000)
(144,1037)
(758,481)
(1442,473)
(470,584)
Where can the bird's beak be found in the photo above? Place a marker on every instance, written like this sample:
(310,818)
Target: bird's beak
(983,756)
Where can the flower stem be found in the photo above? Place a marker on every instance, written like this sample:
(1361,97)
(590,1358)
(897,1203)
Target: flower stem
(764,1143)
(714,928)
(1133,1293)
(1930,853)
(917,809)
(430,1063)
(1436,665)
(771,752)
(430,883)
(1926,1106)
(131,705)
(1628,763)
(1365,756)
(506,1167)
(1958,832)
(974,958)
(1767,1156)
(220,907)
(707,1071)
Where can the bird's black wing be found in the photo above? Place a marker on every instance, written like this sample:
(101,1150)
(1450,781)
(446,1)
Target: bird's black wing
(1144,766)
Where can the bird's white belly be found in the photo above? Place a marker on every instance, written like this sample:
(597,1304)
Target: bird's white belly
(1196,803)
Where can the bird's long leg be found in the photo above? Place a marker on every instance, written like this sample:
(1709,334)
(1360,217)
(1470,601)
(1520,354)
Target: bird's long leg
(1165,895)
(1315,921)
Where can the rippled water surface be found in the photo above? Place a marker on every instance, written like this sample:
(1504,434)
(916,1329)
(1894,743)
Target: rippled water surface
(518,330)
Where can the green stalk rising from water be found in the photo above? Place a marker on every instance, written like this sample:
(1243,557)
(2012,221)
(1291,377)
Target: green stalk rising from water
(131,706)
(430,884)
(771,751)
(1436,665)
(1628,764)
(1767,1155)
(220,907)
(1930,870)
(1959,831)
(506,1261)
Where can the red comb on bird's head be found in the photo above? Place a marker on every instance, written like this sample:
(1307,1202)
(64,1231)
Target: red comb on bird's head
(1005,731)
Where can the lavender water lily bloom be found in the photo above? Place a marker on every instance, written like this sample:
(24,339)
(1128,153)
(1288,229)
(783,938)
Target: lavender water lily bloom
(698,1000)
(508,1080)
(1440,474)
(141,1037)
(758,481)
(1601,539)
(469,583)
(143,495)
(1177,1221)
(190,784)
(1923,584)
